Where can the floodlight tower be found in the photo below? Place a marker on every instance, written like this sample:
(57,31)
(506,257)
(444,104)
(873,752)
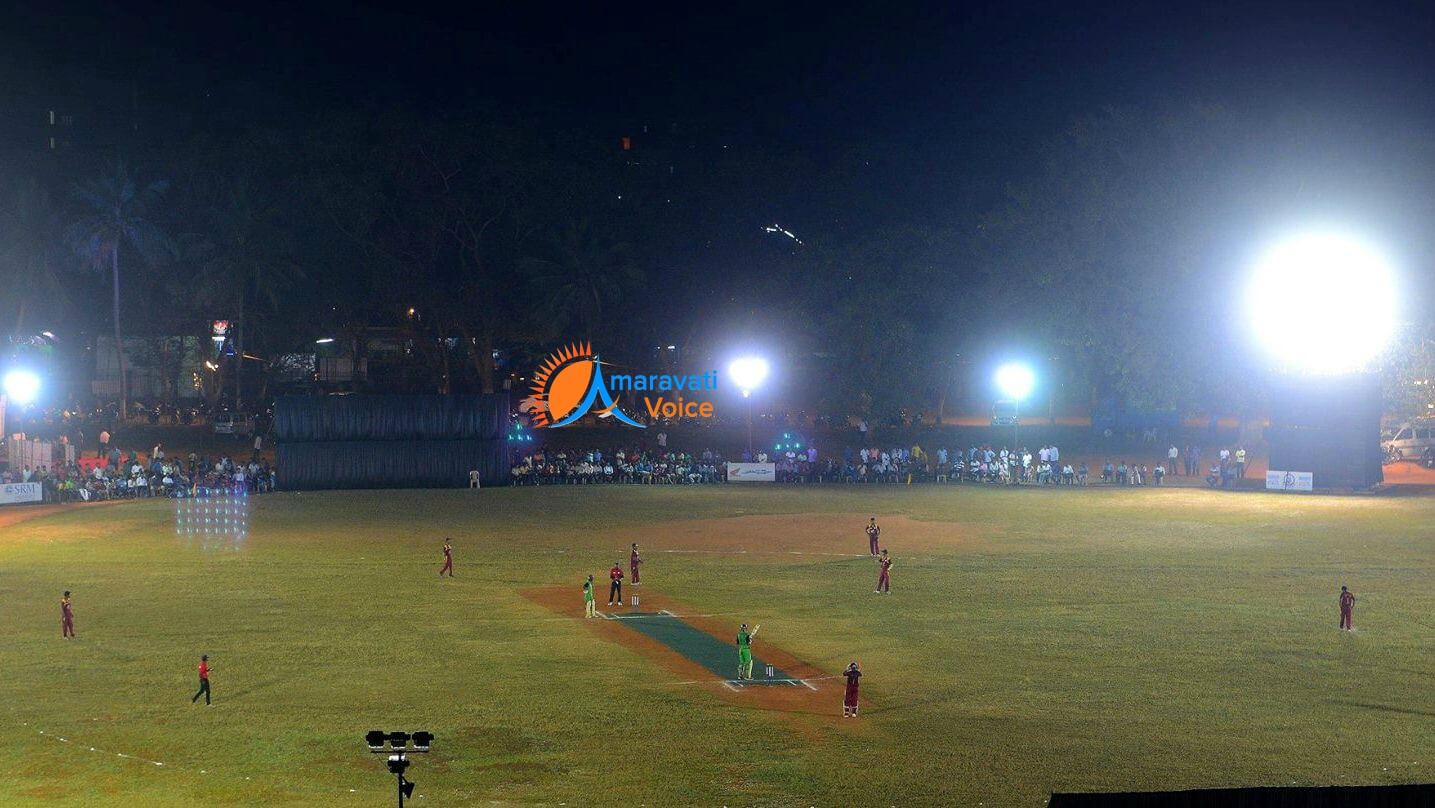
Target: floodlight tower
(748,373)
(1323,305)
(398,752)
(1015,380)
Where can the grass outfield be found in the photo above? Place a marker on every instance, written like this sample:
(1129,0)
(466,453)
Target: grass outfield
(1035,641)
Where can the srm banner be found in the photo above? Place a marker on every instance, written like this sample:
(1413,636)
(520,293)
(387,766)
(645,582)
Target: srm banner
(751,472)
(16,493)
(1289,480)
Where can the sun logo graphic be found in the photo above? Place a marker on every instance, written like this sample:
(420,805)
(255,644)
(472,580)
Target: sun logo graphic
(569,384)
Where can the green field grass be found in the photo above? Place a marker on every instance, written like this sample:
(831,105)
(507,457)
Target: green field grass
(1035,641)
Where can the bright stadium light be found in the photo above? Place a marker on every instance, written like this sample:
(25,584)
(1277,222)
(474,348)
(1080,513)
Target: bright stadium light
(1323,303)
(748,373)
(22,386)
(1015,380)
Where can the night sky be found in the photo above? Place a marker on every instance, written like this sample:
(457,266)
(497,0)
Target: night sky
(969,89)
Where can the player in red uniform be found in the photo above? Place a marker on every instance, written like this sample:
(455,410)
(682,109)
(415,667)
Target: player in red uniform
(203,680)
(67,616)
(849,698)
(447,558)
(872,533)
(884,579)
(615,589)
(1347,609)
(634,561)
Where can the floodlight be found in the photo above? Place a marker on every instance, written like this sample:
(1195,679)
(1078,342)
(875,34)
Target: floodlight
(1015,380)
(398,740)
(422,741)
(375,739)
(1323,303)
(22,386)
(748,372)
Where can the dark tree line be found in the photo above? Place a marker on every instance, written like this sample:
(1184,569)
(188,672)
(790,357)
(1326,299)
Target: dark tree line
(1113,260)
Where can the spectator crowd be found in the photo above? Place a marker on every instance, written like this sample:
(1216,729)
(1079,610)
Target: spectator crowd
(120,476)
(984,464)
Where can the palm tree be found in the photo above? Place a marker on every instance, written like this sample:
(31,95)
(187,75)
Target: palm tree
(583,272)
(117,209)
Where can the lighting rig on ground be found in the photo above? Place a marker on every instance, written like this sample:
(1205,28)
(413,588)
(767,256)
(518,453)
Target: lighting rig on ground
(396,745)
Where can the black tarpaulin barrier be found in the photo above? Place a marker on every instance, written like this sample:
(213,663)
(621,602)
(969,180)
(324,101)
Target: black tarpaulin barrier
(391,417)
(391,441)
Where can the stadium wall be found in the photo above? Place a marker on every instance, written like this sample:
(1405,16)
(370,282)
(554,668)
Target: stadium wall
(391,441)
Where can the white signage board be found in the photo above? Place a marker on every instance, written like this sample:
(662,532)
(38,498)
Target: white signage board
(751,472)
(1289,480)
(16,493)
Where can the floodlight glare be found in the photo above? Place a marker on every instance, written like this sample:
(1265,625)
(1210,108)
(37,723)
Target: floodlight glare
(1015,381)
(1323,303)
(748,372)
(22,386)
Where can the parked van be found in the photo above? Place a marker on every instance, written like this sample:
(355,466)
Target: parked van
(1409,441)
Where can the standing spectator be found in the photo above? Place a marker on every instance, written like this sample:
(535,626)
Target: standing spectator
(1240,463)
(662,440)
(1158,473)
(1171,455)
(104,450)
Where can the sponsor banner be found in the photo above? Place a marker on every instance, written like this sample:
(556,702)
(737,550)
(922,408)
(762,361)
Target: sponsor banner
(16,493)
(751,472)
(1290,481)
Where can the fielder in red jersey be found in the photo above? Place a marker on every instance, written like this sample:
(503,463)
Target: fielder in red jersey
(884,579)
(1347,610)
(873,532)
(447,558)
(849,698)
(67,616)
(634,561)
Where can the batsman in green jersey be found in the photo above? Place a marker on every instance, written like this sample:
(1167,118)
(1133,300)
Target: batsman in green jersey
(588,597)
(744,651)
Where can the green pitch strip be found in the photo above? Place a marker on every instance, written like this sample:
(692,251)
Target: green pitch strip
(702,647)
